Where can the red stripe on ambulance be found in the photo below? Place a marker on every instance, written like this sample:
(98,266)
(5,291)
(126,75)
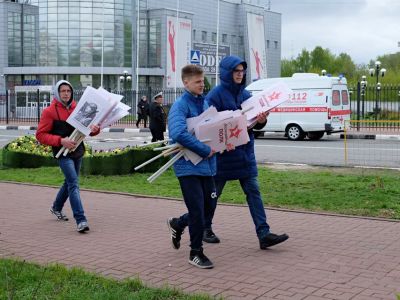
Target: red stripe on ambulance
(300,109)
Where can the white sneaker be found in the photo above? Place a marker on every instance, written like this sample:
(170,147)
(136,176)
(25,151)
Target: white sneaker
(82,227)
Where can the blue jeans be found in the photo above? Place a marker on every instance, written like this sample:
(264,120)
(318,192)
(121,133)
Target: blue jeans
(253,197)
(70,167)
(198,193)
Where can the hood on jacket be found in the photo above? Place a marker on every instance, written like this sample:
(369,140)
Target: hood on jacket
(56,92)
(226,67)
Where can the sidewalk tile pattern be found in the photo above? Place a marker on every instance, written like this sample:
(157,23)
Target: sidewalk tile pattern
(326,257)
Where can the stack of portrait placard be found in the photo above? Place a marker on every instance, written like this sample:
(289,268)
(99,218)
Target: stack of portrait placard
(96,107)
(222,130)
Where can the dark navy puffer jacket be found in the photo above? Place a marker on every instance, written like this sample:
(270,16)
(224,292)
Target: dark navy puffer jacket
(241,162)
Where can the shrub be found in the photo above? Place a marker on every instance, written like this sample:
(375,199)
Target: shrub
(27,152)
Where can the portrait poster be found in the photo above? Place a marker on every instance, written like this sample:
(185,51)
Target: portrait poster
(265,101)
(228,131)
(120,110)
(91,109)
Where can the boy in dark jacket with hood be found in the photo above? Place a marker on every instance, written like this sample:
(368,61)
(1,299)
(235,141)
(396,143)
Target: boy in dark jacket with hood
(239,164)
(53,130)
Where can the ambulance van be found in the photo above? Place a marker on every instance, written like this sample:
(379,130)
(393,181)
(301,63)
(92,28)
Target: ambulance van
(317,105)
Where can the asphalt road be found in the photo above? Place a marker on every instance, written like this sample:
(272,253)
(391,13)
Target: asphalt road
(329,151)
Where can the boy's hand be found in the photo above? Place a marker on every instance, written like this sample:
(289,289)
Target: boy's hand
(94,128)
(68,143)
(262,117)
(211,153)
(230,147)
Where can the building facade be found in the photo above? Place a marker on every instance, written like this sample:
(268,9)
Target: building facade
(94,42)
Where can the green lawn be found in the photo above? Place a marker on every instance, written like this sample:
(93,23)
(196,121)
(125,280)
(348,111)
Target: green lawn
(22,280)
(360,192)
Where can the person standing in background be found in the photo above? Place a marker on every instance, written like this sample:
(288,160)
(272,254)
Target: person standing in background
(157,118)
(143,111)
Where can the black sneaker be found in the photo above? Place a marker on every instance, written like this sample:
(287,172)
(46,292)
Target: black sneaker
(175,231)
(198,259)
(210,237)
(272,239)
(59,214)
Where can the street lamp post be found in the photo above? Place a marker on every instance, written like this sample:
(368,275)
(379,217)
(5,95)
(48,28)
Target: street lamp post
(125,79)
(323,72)
(363,85)
(377,71)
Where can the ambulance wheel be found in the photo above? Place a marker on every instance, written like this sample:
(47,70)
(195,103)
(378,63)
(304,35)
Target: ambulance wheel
(315,135)
(295,133)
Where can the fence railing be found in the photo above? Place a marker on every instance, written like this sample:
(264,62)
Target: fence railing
(367,103)
(372,143)
(27,107)
(370,103)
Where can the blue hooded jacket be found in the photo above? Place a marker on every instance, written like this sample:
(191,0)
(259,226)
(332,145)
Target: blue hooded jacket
(240,163)
(188,106)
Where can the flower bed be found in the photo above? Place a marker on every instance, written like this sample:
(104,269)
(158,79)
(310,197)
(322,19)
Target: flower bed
(27,152)
(121,161)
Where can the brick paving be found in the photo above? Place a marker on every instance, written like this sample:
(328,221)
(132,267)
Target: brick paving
(326,257)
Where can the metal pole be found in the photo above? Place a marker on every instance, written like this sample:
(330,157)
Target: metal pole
(363,101)
(216,54)
(137,54)
(102,46)
(176,42)
(38,105)
(377,93)
(7,104)
(358,105)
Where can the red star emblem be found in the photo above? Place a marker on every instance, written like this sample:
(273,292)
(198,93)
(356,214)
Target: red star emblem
(235,132)
(274,96)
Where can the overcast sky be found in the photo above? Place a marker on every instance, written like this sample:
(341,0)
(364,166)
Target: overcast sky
(363,29)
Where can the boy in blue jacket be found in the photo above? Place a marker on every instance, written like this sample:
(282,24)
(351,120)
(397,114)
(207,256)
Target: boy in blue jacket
(196,181)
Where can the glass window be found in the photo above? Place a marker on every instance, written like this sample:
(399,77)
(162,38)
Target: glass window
(345,97)
(214,37)
(204,36)
(335,97)
(224,38)
(276,44)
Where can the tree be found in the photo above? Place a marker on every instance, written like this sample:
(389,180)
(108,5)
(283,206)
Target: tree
(303,61)
(322,59)
(343,64)
(288,67)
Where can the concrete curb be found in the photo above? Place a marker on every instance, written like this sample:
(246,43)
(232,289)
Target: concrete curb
(350,136)
(371,136)
(107,129)
(263,134)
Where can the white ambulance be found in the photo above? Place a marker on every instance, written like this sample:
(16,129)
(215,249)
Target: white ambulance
(317,105)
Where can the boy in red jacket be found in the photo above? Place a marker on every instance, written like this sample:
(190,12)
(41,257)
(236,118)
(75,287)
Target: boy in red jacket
(53,130)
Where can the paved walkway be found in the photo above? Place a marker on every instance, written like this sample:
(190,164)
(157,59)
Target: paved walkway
(326,257)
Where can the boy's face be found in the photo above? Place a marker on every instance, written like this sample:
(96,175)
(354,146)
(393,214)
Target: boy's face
(194,84)
(65,92)
(238,74)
